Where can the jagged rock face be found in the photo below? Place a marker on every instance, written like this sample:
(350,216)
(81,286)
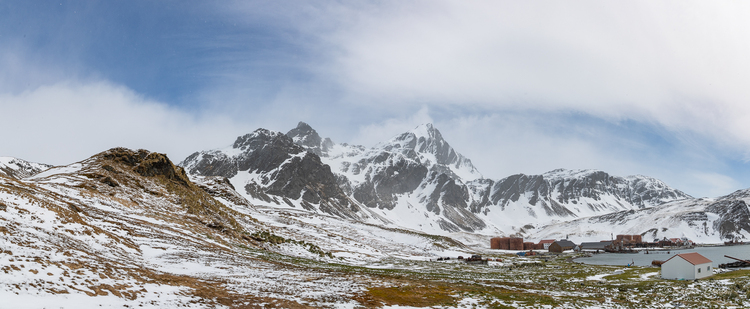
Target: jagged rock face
(214,163)
(306,136)
(563,193)
(734,215)
(383,176)
(421,163)
(427,139)
(266,164)
(383,185)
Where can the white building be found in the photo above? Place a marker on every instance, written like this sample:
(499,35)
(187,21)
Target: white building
(688,266)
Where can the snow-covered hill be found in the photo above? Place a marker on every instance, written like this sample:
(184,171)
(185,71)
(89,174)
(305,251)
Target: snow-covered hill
(129,228)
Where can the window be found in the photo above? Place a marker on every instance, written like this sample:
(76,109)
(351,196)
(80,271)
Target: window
(699,270)
(708,268)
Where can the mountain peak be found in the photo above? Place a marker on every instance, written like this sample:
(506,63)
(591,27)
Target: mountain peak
(305,136)
(427,141)
(427,130)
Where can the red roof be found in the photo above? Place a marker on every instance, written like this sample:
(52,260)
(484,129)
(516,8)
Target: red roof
(694,258)
(547,241)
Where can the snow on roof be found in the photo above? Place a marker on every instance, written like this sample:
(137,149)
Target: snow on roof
(694,258)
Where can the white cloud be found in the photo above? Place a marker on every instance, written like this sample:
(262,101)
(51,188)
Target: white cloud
(682,65)
(67,122)
(382,131)
(710,184)
(504,144)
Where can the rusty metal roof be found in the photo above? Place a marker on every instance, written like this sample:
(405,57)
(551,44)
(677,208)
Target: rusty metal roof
(694,258)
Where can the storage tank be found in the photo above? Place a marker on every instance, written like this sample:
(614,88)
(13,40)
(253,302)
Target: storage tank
(516,243)
(637,239)
(501,243)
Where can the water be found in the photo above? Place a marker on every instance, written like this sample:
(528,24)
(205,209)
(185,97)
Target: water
(715,254)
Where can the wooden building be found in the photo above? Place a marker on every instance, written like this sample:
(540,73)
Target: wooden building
(561,245)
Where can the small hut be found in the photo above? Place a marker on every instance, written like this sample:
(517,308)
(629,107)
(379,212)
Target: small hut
(688,266)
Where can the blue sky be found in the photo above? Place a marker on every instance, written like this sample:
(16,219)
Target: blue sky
(643,87)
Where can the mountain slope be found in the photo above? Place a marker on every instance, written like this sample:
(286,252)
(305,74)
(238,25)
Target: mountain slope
(129,228)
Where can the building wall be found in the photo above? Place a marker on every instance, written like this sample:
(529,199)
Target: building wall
(678,268)
(705,270)
(555,247)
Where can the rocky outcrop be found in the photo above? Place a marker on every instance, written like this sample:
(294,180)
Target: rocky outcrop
(307,137)
(279,168)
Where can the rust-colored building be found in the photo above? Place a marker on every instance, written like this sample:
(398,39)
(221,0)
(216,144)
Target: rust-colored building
(529,246)
(629,239)
(507,243)
(500,243)
(516,243)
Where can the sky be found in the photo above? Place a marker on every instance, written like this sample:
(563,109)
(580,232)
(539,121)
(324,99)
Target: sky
(656,88)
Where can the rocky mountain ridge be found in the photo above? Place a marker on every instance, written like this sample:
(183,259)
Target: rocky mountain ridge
(416,180)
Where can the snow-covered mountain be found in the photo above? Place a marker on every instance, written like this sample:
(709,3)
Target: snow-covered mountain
(701,220)
(563,195)
(18,168)
(415,180)
(268,168)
